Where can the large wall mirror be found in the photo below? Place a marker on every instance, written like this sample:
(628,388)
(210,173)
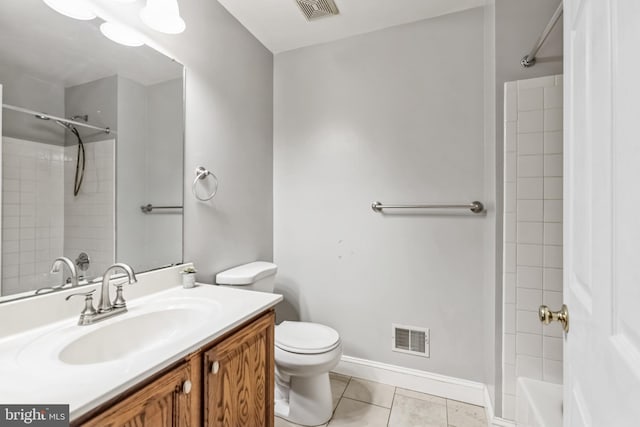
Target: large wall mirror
(73,188)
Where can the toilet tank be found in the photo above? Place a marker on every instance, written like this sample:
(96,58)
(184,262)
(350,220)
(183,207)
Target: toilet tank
(255,276)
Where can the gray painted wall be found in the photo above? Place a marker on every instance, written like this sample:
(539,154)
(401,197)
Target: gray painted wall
(398,116)
(229,130)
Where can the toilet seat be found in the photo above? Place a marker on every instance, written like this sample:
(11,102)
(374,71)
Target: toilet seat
(306,337)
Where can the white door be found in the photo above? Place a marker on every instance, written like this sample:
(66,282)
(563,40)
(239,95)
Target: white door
(602,213)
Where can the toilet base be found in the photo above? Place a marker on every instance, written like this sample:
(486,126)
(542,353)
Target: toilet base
(305,400)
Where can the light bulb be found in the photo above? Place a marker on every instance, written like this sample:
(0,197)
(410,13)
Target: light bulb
(76,9)
(121,34)
(163,16)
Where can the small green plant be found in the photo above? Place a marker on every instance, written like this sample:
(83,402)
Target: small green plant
(189,270)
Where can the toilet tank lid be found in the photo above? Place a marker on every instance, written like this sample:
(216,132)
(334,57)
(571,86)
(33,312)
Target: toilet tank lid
(246,274)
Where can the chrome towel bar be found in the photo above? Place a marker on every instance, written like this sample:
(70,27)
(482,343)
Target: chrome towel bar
(475,207)
(150,208)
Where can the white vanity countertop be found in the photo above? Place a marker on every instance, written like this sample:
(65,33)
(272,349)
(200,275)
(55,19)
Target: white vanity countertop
(32,372)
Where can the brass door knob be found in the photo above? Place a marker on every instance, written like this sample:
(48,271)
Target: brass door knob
(547,316)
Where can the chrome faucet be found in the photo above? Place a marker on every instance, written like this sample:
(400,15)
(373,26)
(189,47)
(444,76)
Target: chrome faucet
(106,308)
(63,260)
(55,268)
(104,305)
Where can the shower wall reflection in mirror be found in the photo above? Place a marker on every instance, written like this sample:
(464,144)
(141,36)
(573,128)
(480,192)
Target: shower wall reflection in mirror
(74,190)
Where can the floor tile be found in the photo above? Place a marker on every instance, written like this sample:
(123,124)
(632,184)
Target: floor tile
(410,412)
(283,423)
(338,386)
(335,375)
(421,396)
(352,413)
(465,415)
(370,392)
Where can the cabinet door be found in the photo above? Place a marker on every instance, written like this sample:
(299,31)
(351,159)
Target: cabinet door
(170,401)
(239,378)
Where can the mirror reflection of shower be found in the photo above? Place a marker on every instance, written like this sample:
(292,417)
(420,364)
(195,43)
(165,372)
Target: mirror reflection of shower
(44,158)
(81,155)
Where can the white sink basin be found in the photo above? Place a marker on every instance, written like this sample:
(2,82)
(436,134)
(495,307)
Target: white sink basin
(129,335)
(153,327)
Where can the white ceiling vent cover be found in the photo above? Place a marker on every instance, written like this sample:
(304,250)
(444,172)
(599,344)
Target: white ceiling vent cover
(410,339)
(315,9)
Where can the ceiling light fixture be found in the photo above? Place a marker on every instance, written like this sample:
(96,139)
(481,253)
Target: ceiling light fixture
(121,34)
(163,16)
(76,9)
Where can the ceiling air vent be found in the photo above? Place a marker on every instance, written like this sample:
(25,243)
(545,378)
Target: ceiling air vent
(315,9)
(410,339)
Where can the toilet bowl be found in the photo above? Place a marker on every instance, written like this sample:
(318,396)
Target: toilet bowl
(304,352)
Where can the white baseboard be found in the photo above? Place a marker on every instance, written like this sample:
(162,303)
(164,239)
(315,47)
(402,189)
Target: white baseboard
(453,388)
(502,422)
(413,379)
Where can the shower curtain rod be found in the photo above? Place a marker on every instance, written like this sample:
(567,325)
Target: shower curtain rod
(529,59)
(49,116)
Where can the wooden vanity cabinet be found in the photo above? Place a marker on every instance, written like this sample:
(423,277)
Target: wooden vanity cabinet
(228,383)
(239,378)
(173,400)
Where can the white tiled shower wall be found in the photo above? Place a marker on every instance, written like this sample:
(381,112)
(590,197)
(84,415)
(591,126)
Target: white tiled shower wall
(41,218)
(89,218)
(532,232)
(32,212)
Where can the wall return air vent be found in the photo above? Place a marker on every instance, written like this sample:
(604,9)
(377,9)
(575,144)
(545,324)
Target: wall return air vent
(410,339)
(316,9)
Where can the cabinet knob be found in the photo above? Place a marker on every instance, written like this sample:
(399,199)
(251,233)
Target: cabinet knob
(215,367)
(186,387)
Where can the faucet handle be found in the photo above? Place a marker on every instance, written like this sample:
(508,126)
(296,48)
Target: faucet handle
(88,303)
(119,301)
(87,295)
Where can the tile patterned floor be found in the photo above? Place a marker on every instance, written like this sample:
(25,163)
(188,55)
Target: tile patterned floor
(362,403)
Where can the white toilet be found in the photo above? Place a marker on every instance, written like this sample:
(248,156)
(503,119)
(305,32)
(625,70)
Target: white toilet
(304,353)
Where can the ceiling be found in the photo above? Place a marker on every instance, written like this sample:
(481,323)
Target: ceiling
(37,40)
(281,26)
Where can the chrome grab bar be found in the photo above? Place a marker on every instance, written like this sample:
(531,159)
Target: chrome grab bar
(475,207)
(150,208)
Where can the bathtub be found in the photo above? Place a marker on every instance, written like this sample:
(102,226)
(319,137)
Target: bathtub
(538,403)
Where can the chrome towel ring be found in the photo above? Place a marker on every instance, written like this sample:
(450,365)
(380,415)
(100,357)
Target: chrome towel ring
(202,173)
